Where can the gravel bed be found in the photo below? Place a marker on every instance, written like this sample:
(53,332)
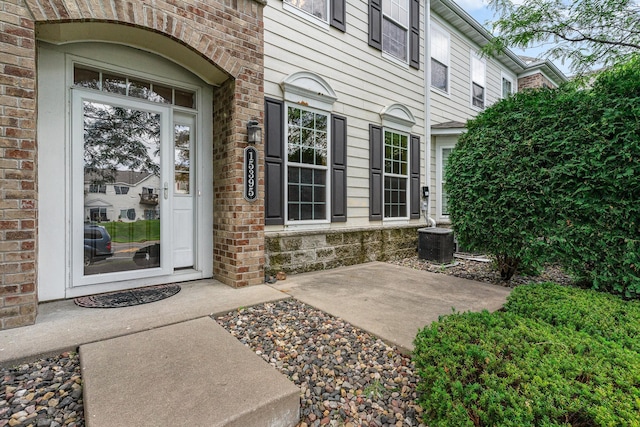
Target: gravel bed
(346,376)
(484,271)
(47,393)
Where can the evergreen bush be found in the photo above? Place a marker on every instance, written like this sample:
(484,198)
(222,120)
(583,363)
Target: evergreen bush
(554,175)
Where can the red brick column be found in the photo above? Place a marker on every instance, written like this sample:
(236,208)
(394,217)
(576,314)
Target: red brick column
(238,224)
(18,157)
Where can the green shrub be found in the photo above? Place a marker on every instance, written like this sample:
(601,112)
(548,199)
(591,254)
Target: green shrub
(512,368)
(498,176)
(554,175)
(595,198)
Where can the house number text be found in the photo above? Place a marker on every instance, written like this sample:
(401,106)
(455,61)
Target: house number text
(251,174)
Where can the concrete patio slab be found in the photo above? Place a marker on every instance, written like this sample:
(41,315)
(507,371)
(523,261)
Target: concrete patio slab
(391,301)
(192,374)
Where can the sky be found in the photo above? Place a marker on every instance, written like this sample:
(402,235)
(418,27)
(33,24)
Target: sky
(480,12)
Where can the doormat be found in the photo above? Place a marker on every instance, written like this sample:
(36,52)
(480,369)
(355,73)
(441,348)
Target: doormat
(128,298)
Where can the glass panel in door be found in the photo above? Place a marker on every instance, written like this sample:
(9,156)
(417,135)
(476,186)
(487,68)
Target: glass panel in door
(122,188)
(183,237)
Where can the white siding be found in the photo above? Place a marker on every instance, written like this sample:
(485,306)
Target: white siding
(456,106)
(363,80)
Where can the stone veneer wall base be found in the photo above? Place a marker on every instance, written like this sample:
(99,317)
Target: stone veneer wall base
(300,252)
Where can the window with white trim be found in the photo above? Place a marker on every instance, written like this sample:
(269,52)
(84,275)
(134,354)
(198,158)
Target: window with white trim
(106,81)
(395,28)
(98,214)
(443,158)
(97,188)
(396,174)
(439,58)
(121,189)
(307,164)
(507,86)
(305,155)
(478,81)
(316,8)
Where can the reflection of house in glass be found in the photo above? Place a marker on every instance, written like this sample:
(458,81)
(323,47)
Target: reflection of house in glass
(126,196)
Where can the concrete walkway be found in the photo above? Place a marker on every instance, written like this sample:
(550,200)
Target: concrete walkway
(170,347)
(390,301)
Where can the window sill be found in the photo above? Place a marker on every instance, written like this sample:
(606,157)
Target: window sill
(404,220)
(390,58)
(440,92)
(299,226)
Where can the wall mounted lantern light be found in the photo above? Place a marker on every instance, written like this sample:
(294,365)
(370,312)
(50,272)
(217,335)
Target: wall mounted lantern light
(254,132)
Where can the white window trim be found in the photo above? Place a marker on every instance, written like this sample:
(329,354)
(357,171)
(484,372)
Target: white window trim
(397,117)
(394,60)
(407,176)
(306,223)
(471,81)
(504,76)
(439,180)
(308,90)
(307,16)
(407,29)
(447,35)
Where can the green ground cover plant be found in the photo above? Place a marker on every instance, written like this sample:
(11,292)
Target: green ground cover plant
(545,360)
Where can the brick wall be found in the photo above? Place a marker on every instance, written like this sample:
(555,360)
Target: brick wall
(238,225)
(534,81)
(321,250)
(228,33)
(18,157)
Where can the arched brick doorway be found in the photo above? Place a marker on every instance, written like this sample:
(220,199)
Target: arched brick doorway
(222,45)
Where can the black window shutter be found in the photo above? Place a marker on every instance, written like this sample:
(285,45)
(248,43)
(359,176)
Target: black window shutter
(375,24)
(414,34)
(338,11)
(338,168)
(274,161)
(414,177)
(375,173)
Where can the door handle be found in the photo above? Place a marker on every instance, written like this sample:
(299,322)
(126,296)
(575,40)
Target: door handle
(166,190)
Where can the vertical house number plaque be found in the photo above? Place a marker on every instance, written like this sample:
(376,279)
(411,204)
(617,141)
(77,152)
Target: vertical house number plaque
(250,174)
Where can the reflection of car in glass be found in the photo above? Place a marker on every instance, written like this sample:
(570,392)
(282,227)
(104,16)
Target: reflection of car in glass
(97,244)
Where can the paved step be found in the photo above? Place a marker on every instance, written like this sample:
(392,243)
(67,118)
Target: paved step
(188,374)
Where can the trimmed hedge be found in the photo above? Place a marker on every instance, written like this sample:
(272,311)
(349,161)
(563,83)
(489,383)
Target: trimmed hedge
(513,368)
(554,175)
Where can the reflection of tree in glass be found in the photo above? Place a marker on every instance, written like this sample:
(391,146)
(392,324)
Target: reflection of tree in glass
(307,137)
(117,138)
(182,138)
